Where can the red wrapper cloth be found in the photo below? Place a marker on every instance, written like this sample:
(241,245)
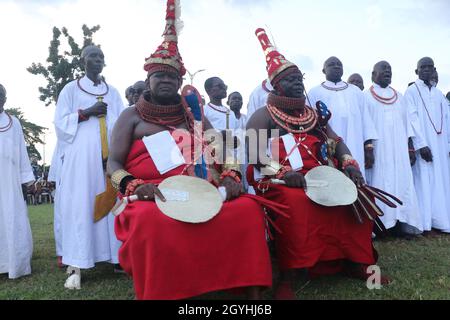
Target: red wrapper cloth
(169,259)
(316,237)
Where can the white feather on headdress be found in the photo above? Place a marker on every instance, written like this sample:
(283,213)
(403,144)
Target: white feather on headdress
(179,24)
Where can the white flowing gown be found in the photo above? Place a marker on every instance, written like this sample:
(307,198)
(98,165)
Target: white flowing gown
(350,119)
(431,179)
(16,243)
(392,171)
(82,177)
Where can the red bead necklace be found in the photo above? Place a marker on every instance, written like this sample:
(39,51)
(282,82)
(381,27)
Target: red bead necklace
(163,115)
(428,114)
(382,100)
(335,89)
(305,122)
(218,110)
(9,125)
(93,94)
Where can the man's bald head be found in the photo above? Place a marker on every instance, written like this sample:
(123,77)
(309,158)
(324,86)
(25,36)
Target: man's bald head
(425,69)
(137,90)
(356,80)
(425,61)
(216,88)
(129,95)
(333,69)
(380,65)
(88,49)
(382,74)
(332,59)
(93,60)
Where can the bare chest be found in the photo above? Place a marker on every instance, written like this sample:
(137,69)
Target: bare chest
(144,129)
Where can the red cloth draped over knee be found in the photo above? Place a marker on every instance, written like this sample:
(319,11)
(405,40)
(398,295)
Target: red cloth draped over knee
(314,235)
(169,259)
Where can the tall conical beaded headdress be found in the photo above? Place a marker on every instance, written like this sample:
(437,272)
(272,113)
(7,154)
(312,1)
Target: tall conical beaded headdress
(276,62)
(167,57)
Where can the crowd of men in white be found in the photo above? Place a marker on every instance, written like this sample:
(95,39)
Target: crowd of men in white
(408,135)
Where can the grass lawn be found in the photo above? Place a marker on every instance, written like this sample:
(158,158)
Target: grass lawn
(420,269)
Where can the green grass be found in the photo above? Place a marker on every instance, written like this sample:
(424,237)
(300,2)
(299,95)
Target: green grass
(420,269)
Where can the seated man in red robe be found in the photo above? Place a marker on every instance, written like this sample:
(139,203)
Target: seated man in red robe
(166,258)
(319,238)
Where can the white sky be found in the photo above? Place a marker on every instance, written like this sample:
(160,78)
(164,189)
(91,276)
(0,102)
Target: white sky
(219,36)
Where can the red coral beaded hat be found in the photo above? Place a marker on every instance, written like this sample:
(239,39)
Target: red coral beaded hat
(277,64)
(167,57)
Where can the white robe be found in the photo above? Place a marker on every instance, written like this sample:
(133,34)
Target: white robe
(432,179)
(16,243)
(350,118)
(242,121)
(258,98)
(392,171)
(54,175)
(241,152)
(218,119)
(82,178)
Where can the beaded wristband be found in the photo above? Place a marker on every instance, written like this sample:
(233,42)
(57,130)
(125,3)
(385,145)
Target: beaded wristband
(132,186)
(346,157)
(81,116)
(411,150)
(232,174)
(339,140)
(118,176)
(282,172)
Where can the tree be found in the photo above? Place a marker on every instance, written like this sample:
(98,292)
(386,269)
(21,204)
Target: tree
(32,133)
(61,68)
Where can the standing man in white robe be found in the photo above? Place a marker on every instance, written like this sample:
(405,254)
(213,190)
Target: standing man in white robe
(258,98)
(215,111)
(351,119)
(391,171)
(222,118)
(82,175)
(429,112)
(16,243)
(235,102)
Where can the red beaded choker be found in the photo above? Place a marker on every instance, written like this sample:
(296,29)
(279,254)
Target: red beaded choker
(305,122)
(286,103)
(164,115)
(382,100)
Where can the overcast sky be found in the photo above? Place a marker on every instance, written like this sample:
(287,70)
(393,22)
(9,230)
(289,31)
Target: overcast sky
(219,36)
